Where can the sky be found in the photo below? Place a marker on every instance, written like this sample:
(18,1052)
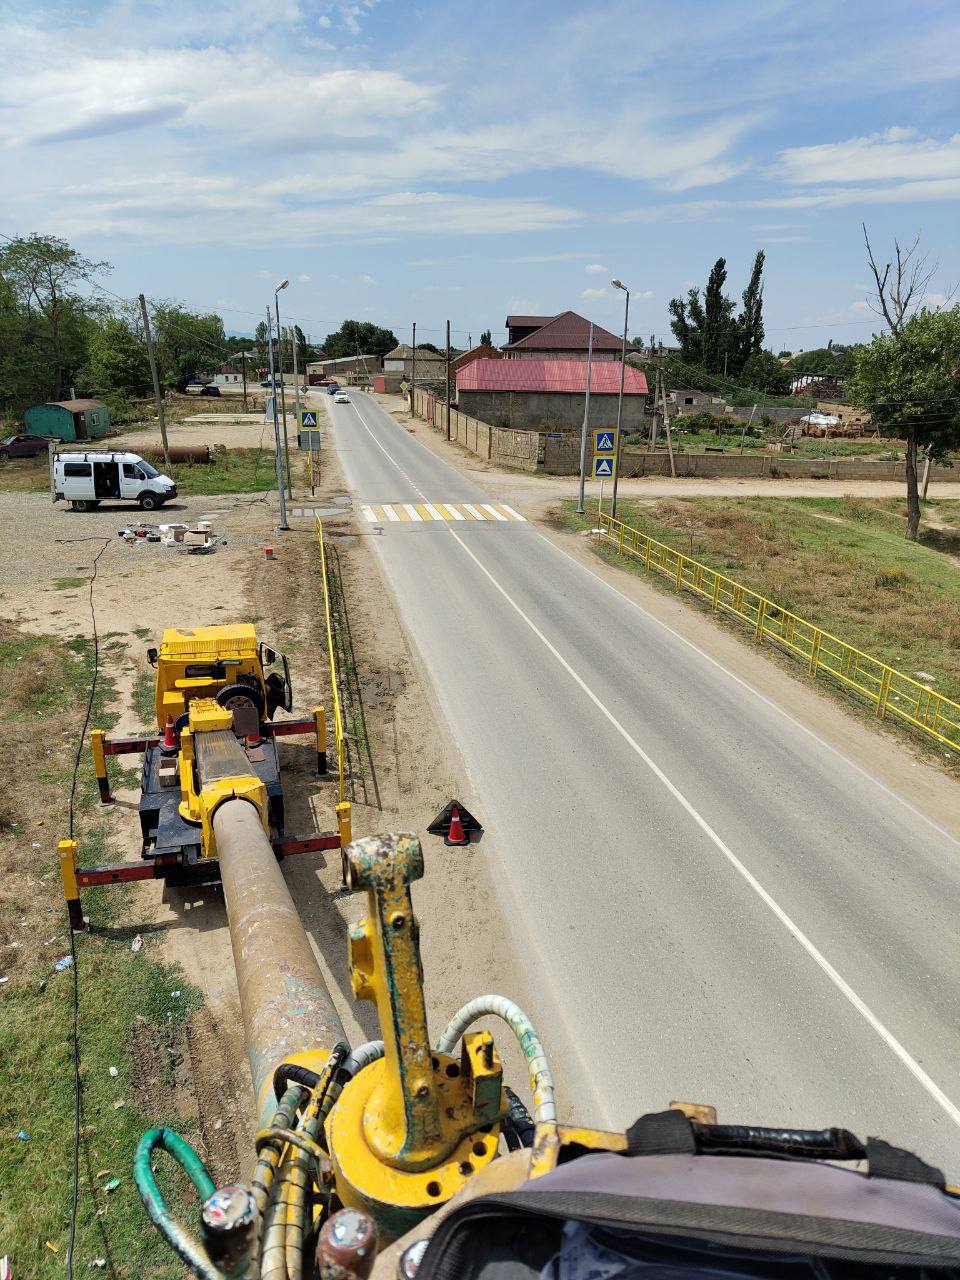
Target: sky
(404,162)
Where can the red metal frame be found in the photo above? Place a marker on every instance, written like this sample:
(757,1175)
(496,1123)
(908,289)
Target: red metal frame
(156,868)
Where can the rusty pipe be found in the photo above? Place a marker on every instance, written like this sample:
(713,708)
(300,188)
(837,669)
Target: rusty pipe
(288,1014)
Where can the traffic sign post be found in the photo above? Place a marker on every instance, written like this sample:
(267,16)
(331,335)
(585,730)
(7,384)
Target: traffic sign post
(307,418)
(604,458)
(307,421)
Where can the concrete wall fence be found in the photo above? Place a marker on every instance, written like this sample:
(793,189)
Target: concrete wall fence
(558,453)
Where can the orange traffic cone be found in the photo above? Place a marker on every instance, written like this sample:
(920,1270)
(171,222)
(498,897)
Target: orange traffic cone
(169,743)
(456,834)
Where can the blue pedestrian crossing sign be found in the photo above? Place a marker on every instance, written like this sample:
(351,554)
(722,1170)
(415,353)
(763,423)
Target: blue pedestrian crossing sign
(603,468)
(308,418)
(605,441)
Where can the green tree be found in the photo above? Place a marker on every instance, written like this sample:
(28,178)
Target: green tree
(687,325)
(117,357)
(749,326)
(719,341)
(486,338)
(359,337)
(765,372)
(428,346)
(44,273)
(187,343)
(909,379)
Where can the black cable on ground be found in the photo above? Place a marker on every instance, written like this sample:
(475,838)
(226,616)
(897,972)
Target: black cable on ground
(77,1105)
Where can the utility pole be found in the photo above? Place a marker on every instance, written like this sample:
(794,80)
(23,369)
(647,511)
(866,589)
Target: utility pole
(276,428)
(243,365)
(152,357)
(448,380)
(413,371)
(623,369)
(296,378)
(657,382)
(586,423)
(666,423)
(283,399)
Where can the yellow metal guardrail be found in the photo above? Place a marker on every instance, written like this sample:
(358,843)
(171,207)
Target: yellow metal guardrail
(343,805)
(891,692)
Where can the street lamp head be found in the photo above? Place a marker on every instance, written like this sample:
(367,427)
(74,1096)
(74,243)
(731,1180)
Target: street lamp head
(618,284)
(282,285)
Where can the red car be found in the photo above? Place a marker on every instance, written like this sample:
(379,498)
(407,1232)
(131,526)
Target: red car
(23,446)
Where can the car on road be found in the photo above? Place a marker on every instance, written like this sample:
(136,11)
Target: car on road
(333,388)
(23,446)
(210,390)
(341,398)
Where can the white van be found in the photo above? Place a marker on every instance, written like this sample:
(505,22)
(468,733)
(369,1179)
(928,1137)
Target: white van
(86,479)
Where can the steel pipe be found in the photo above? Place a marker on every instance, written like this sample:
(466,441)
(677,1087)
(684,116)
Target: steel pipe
(287,1010)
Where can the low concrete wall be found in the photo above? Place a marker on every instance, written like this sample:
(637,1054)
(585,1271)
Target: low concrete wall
(551,410)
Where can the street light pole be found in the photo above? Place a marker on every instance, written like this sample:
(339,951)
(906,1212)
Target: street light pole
(283,400)
(276,428)
(296,375)
(623,368)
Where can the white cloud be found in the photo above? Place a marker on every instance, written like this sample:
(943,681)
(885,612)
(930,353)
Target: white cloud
(594,293)
(897,154)
(861,307)
(304,279)
(646,295)
(366,279)
(597,267)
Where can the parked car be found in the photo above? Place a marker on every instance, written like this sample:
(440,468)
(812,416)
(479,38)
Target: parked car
(23,446)
(341,398)
(210,390)
(86,479)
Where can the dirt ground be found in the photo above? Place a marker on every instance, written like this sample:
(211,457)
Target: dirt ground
(404,769)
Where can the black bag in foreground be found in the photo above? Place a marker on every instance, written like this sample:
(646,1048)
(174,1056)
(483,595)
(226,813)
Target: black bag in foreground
(667,1209)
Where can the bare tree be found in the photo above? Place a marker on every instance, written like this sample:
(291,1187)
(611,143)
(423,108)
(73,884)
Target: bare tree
(902,284)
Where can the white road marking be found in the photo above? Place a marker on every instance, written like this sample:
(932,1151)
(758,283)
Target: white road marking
(497,515)
(391,514)
(887,1036)
(477,515)
(411,510)
(510,512)
(434,513)
(368,514)
(451,507)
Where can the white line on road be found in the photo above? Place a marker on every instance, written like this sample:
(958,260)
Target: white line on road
(368,514)
(411,510)
(434,513)
(391,514)
(887,1036)
(493,511)
(477,515)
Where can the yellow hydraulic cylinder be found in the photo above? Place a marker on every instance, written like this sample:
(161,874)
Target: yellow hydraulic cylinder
(411,1128)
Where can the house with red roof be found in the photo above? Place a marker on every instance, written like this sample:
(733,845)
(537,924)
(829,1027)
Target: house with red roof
(562,337)
(548,394)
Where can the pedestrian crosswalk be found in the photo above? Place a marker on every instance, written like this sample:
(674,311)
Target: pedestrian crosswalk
(414,512)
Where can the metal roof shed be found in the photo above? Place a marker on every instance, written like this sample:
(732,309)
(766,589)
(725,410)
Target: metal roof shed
(68,419)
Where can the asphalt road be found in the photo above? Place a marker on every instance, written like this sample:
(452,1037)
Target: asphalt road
(716,906)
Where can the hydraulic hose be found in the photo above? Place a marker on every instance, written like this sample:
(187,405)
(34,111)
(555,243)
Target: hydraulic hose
(191,1251)
(541,1077)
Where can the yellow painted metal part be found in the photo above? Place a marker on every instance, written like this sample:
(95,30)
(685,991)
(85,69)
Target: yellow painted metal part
(411,1128)
(68,869)
(187,652)
(550,1137)
(97,737)
(198,803)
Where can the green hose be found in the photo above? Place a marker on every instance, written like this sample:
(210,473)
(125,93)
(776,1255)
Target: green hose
(187,1248)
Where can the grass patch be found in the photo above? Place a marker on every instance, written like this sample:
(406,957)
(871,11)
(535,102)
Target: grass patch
(129,1016)
(840,563)
(230,471)
(144,699)
(68,584)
